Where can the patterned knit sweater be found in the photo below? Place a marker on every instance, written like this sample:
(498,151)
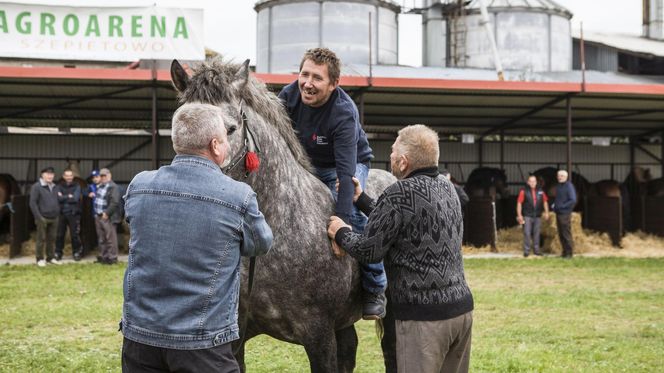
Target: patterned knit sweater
(416,227)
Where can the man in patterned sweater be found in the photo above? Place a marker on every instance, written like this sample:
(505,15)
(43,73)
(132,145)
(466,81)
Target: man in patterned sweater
(416,227)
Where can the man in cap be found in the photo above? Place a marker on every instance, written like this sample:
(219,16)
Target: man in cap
(107,217)
(92,187)
(45,208)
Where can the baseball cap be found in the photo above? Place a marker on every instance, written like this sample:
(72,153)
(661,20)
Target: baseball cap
(48,169)
(104,171)
(94,173)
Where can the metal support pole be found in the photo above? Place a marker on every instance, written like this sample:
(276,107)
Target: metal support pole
(569,137)
(582,56)
(661,152)
(155,122)
(362,109)
(632,153)
(502,150)
(479,152)
(370,53)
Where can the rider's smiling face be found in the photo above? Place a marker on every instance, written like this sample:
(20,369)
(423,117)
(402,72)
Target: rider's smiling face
(315,84)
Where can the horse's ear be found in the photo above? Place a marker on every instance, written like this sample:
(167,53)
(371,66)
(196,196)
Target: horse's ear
(242,76)
(179,76)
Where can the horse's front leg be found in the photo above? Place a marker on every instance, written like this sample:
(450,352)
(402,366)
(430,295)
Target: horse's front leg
(346,349)
(321,347)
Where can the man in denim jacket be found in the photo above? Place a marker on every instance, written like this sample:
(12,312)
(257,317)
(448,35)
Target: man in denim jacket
(189,224)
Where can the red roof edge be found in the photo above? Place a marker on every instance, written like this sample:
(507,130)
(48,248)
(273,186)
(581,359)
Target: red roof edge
(347,81)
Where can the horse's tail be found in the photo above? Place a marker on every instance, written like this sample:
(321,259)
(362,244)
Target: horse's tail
(380,329)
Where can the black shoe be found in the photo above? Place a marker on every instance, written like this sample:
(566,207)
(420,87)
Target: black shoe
(374,306)
(58,256)
(525,255)
(538,254)
(110,261)
(77,257)
(100,260)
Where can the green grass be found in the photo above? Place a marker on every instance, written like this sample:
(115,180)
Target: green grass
(550,315)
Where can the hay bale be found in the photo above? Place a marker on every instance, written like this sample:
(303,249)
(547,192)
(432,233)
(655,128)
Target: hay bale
(511,240)
(640,244)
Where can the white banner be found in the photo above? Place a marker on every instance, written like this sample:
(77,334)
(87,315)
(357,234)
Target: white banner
(101,34)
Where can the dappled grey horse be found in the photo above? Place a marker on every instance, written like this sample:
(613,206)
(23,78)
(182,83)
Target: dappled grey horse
(301,292)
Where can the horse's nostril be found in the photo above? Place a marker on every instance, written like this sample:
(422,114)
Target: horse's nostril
(231,130)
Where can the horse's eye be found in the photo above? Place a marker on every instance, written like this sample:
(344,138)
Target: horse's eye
(231,130)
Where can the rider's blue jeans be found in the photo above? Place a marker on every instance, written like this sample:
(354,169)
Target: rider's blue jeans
(373,275)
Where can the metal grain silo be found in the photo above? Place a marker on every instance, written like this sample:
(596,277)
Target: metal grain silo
(286,28)
(531,35)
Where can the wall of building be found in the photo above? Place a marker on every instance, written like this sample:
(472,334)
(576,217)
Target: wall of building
(24,155)
(598,57)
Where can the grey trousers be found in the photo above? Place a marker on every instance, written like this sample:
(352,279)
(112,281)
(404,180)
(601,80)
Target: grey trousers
(107,236)
(45,242)
(531,231)
(434,346)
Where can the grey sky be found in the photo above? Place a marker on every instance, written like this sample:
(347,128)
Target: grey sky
(230,25)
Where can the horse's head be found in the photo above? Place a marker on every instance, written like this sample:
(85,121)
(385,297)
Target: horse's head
(641,175)
(74,166)
(223,85)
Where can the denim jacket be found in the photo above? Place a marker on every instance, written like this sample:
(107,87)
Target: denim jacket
(189,225)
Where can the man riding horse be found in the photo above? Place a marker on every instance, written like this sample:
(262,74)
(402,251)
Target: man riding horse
(327,124)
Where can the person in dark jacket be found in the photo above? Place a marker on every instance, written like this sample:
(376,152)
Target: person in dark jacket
(416,226)
(327,124)
(69,196)
(107,218)
(92,187)
(45,208)
(563,206)
(463,197)
(531,204)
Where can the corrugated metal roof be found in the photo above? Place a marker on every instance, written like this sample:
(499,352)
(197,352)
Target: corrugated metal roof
(624,42)
(489,75)
(449,100)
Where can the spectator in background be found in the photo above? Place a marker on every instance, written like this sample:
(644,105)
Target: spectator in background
(531,203)
(92,187)
(45,208)
(563,206)
(69,197)
(107,217)
(463,197)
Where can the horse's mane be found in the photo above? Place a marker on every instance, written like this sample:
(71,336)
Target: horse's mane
(212,83)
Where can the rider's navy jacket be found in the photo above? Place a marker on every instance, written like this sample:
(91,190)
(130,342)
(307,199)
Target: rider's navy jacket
(332,136)
(189,225)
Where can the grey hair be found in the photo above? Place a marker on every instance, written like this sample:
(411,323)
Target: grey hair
(194,126)
(420,144)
